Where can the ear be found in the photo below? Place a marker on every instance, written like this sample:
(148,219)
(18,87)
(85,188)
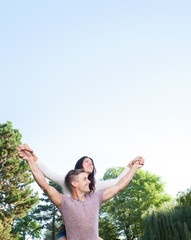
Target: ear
(74,184)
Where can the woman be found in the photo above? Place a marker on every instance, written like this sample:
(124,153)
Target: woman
(88,165)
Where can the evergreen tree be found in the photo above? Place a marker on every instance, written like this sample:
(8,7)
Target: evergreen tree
(173,223)
(27,226)
(51,234)
(47,214)
(16,196)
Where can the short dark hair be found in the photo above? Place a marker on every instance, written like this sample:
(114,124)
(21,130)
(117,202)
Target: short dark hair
(91,176)
(71,176)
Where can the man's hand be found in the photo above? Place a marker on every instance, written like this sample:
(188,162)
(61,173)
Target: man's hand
(137,159)
(124,181)
(25,152)
(139,163)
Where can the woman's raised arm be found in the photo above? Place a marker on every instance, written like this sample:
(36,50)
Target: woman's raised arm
(48,173)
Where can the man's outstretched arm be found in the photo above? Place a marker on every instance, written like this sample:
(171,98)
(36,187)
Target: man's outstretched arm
(124,181)
(51,192)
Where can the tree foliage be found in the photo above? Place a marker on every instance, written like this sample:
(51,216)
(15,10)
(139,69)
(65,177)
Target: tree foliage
(167,223)
(51,234)
(184,198)
(107,229)
(26,226)
(47,214)
(44,215)
(16,196)
(125,209)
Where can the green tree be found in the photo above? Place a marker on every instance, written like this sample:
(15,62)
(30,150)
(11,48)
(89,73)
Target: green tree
(48,215)
(184,198)
(125,209)
(26,226)
(48,235)
(167,223)
(107,230)
(16,196)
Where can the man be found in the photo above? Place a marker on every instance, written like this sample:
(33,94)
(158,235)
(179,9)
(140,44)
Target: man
(80,211)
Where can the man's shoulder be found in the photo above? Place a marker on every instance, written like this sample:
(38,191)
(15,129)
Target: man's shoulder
(95,198)
(65,197)
(98,195)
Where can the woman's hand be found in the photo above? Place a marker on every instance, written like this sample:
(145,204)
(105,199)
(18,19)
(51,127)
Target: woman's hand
(25,148)
(25,154)
(139,163)
(137,159)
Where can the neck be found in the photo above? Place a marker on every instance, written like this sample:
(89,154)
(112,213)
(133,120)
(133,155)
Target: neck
(78,195)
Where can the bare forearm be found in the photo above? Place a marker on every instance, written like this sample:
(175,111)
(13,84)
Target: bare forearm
(51,192)
(123,182)
(38,176)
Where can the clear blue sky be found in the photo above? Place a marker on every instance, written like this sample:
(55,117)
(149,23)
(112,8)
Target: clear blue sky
(108,79)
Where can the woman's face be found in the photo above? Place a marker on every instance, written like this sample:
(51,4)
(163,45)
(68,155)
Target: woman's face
(87,165)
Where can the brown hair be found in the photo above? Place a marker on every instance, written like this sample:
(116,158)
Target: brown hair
(71,176)
(91,176)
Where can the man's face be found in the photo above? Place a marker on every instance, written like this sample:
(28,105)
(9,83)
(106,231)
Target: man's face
(83,182)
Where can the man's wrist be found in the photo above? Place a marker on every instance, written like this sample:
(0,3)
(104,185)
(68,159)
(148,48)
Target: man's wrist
(31,160)
(134,166)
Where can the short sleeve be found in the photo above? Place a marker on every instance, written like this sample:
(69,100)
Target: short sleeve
(62,203)
(100,197)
